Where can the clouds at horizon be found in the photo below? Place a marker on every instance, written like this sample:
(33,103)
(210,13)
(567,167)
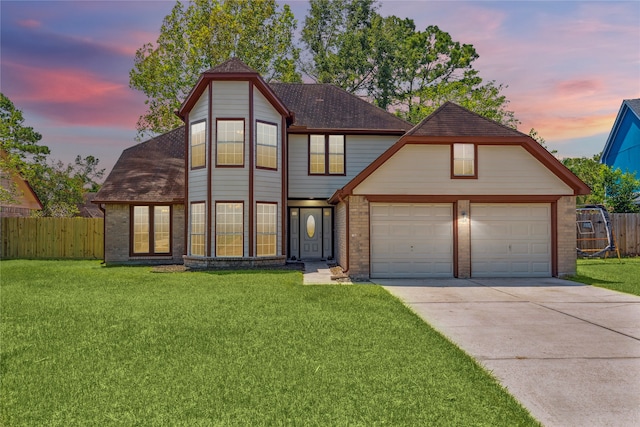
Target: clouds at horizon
(568,65)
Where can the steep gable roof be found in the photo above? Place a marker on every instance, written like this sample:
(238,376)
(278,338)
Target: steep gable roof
(627,120)
(451,123)
(453,120)
(152,171)
(328,107)
(233,65)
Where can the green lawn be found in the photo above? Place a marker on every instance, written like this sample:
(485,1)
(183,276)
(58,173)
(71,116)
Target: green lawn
(612,273)
(83,344)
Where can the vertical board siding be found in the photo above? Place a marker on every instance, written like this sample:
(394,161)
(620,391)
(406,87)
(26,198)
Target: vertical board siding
(47,238)
(626,232)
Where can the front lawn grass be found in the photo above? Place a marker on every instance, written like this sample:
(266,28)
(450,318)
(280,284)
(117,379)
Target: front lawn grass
(83,344)
(611,273)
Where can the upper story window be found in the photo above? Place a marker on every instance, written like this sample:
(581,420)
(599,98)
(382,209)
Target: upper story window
(230,142)
(464,161)
(266,145)
(198,146)
(326,155)
(151,230)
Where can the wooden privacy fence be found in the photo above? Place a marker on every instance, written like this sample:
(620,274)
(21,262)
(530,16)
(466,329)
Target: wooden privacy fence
(626,229)
(74,238)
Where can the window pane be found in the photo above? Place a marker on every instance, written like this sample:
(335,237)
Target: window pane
(336,154)
(316,154)
(161,229)
(463,159)
(266,233)
(230,138)
(198,132)
(266,145)
(141,229)
(197,229)
(229,229)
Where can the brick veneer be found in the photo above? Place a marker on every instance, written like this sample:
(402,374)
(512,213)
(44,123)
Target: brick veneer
(566,215)
(358,237)
(116,237)
(464,240)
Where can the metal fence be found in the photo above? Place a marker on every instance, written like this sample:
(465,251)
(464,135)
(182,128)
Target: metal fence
(52,238)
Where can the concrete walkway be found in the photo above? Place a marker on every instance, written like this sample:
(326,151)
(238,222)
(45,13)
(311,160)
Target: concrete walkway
(317,273)
(570,353)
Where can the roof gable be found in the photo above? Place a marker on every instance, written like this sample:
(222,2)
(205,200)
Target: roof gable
(451,123)
(453,120)
(622,149)
(319,107)
(152,171)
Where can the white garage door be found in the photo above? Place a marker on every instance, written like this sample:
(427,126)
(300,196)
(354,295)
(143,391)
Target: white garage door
(511,240)
(411,240)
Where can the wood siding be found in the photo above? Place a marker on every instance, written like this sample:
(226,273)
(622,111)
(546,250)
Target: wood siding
(52,238)
(360,151)
(425,169)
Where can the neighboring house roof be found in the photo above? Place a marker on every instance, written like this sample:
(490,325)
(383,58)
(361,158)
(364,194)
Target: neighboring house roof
(26,197)
(327,107)
(152,171)
(622,149)
(88,209)
(440,127)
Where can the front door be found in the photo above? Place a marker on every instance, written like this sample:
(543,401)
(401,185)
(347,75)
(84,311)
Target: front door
(311,233)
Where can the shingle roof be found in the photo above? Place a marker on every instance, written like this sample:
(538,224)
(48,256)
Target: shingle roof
(324,106)
(233,65)
(152,171)
(453,120)
(634,105)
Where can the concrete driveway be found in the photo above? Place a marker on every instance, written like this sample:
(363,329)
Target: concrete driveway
(570,353)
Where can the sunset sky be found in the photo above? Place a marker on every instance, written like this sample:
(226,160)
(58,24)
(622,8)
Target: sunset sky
(568,65)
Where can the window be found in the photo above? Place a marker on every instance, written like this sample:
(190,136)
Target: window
(198,146)
(230,137)
(267,218)
(151,230)
(316,154)
(197,229)
(229,229)
(464,161)
(266,145)
(326,153)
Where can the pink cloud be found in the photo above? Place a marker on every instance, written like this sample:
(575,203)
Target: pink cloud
(74,97)
(579,87)
(30,23)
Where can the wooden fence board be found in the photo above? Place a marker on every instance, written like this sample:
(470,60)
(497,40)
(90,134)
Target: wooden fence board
(52,238)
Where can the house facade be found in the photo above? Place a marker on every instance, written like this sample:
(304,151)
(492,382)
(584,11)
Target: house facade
(622,149)
(262,174)
(20,199)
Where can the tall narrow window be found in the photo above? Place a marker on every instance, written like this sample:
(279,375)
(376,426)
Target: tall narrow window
(464,160)
(266,233)
(151,230)
(161,229)
(141,229)
(266,145)
(230,142)
(198,226)
(316,154)
(229,229)
(336,154)
(198,146)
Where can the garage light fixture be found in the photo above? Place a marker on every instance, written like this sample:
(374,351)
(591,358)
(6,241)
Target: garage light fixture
(463,214)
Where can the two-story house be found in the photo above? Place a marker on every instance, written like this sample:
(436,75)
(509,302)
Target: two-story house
(264,173)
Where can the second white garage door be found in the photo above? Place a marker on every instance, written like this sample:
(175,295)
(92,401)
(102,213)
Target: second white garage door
(411,240)
(511,240)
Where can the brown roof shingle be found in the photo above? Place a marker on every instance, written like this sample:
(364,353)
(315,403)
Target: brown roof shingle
(152,171)
(453,120)
(325,106)
(234,66)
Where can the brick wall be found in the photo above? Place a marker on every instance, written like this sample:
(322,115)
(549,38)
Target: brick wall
(566,236)
(117,240)
(359,237)
(340,245)
(464,240)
